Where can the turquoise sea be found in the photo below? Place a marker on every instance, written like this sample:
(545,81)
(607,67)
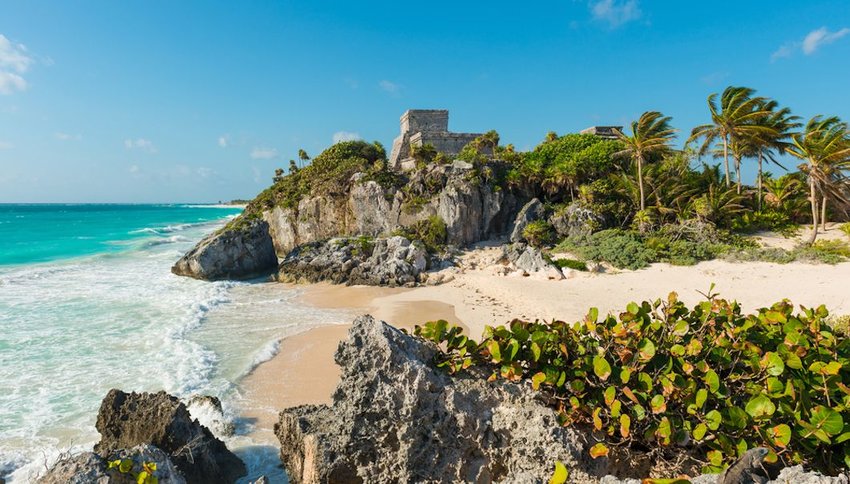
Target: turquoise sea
(88,303)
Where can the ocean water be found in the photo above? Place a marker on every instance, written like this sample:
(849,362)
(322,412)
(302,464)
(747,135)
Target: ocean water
(88,303)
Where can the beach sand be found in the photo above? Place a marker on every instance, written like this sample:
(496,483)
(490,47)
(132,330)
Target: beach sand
(304,372)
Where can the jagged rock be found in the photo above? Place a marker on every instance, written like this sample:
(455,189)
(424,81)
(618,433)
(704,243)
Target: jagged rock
(530,261)
(129,419)
(91,468)
(395,418)
(261,480)
(231,254)
(798,475)
(209,413)
(575,221)
(530,212)
(472,211)
(393,261)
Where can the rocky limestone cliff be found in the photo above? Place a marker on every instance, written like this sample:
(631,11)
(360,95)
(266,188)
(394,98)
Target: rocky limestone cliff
(472,211)
(231,254)
(395,418)
(92,468)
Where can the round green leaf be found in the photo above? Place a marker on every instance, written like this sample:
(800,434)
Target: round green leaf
(827,419)
(780,435)
(772,364)
(700,431)
(713,419)
(646,349)
(601,367)
(712,380)
(760,407)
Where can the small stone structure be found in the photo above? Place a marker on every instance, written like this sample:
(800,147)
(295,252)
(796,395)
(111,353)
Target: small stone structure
(426,126)
(607,132)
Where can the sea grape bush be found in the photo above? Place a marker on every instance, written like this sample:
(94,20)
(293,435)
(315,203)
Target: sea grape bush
(709,380)
(143,473)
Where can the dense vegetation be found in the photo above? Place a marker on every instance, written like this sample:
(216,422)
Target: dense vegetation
(651,202)
(709,382)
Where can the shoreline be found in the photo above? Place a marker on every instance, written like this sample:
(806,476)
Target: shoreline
(303,371)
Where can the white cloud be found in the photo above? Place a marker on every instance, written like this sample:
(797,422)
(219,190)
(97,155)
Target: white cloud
(810,44)
(133,169)
(263,153)
(389,87)
(205,172)
(615,12)
(140,144)
(341,136)
(224,140)
(5,145)
(821,36)
(67,137)
(14,61)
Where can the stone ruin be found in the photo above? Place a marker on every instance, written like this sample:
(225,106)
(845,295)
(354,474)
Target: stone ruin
(607,132)
(426,126)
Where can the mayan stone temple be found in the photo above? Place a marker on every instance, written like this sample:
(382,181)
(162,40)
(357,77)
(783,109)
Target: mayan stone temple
(426,126)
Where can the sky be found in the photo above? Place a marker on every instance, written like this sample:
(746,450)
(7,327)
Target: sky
(198,101)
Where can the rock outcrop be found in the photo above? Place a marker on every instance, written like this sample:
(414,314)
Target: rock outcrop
(473,211)
(393,261)
(395,418)
(530,212)
(127,420)
(92,468)
(530,261)
(575,221)
(231,254)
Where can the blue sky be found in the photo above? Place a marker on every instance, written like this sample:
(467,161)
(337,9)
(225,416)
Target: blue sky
(159,101)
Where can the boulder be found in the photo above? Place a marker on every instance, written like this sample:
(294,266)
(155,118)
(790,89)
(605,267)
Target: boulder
(91,468)
(126,420)
(530,261)
(575,221)
(241,253)
(395,418)
(530,212)
(393,261)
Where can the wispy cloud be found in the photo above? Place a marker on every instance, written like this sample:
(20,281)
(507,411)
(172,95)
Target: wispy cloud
(67,137)
(264,153)
(810,44)
(14,61)
(140,144)
(615,12)
(341,136)
(5,145)
(714,78)
(224,140)
(390,87)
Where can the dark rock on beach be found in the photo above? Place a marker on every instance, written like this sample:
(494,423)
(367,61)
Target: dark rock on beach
(241,253)
(393,261)
(126,420)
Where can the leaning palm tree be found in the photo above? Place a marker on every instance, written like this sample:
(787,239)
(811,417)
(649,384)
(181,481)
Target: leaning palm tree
(651,137)
(824,147)
(763,145)
(735,117)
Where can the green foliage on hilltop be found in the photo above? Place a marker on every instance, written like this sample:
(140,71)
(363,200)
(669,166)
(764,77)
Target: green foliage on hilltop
(538,233)
(431,231)
(710,381)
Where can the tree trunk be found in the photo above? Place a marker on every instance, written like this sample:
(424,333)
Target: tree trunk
(738,173)
(813,197)
(823,214)
(760,182)
(640,181)
(726,159)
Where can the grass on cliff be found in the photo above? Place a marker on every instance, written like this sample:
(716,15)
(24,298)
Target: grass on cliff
(329,174)
(707,382)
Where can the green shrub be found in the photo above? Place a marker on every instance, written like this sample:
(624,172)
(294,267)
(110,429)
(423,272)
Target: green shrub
(570,264)
(538,233)
(624,250)
(845,227)
(709,381)
(432,232)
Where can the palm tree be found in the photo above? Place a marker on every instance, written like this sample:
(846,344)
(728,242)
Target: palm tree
(651,136)
(303,157)
(735,117)
(824,147)
(763,144)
